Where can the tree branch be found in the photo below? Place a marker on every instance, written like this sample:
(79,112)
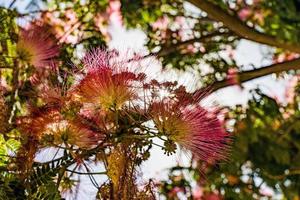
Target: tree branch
(175,47)
(240,28)
(290,172)
(12,4)
(263,71)
(87,173)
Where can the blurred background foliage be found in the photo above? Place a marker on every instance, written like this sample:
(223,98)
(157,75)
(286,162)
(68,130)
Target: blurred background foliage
(266,144)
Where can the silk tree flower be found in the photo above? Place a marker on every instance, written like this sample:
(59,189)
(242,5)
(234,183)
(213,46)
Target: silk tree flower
(193,128)
(37,47)
(31,128)
(45,123)
(99,118)
(36,122)
(108,83)
(108,90)
(74,133)
(53,95)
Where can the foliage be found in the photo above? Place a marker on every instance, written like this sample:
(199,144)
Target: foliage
(103,110)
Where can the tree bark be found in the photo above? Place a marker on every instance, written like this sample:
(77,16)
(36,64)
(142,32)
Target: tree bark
(256,73)
(240,28)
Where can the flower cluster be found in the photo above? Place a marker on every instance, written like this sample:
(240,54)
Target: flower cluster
(113,111)
(108,88)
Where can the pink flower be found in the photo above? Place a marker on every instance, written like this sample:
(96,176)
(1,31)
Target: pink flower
(259,17)
(285,57)
(174,192)
(193,128)
(191,49)
(244,13)
(73,132)
(71,39)
(290,91)
(79,134)
(197,193)
(233,76)
(161,24)
(48,121)
(266,191)
(37,47)
(4,86)
(114,12)
(107,84)
(71,15)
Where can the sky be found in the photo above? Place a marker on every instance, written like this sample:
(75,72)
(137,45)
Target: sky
(247,53)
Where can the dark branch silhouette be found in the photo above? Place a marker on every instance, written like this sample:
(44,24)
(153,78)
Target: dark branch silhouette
(240,28)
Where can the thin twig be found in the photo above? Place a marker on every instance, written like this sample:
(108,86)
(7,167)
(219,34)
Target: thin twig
(12,4)
(87,173)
